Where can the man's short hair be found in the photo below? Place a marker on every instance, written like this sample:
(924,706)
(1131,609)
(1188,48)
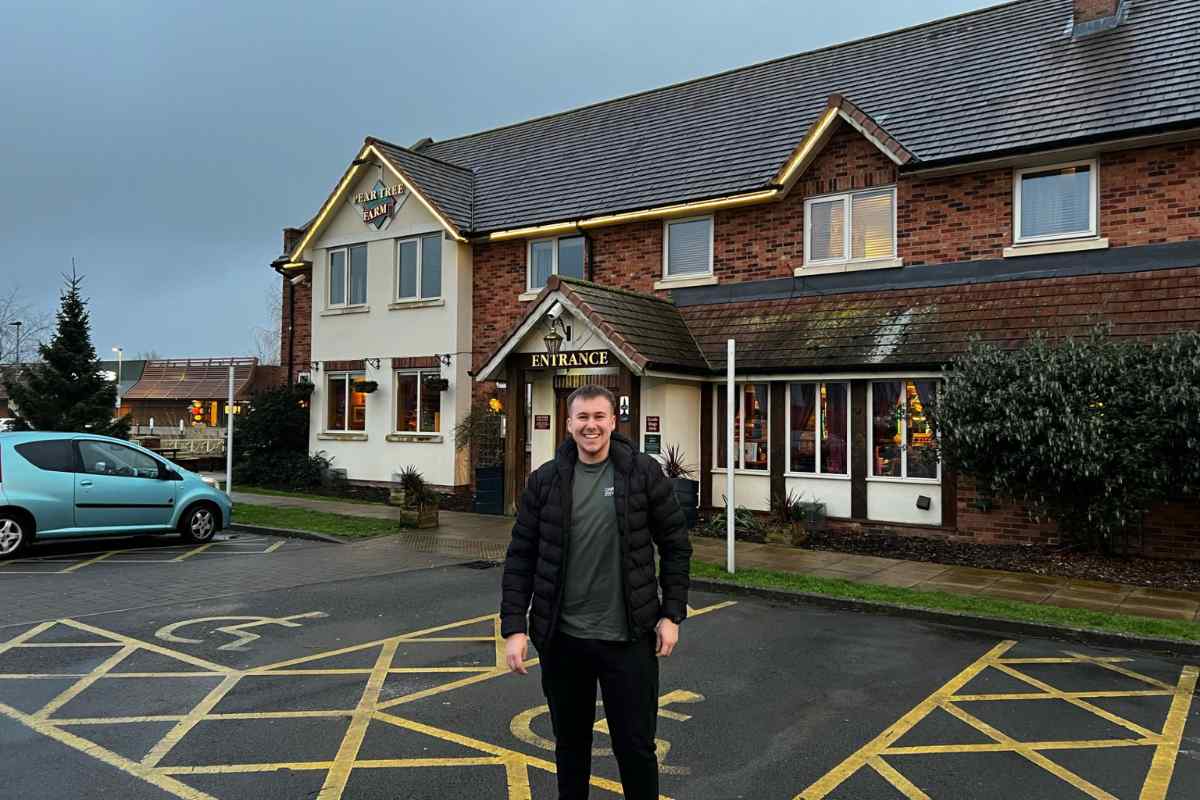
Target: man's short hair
(590,391)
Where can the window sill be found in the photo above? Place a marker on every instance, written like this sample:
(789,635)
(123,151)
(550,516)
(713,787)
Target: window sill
(402,305)
(532,294)
(924,481)
(848,266)
(821,476)
(435,438)
(1046,248)
(761,473)
(338,312)
(680,283)
(342,436)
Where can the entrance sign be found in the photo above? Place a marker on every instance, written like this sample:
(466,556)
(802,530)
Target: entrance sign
(567,360)
(379,205)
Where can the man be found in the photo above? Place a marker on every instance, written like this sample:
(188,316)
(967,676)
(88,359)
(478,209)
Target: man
(583,550)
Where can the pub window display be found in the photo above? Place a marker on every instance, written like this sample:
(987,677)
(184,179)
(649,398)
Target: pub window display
(751,440)
(418,406)
(901,430)
(347,408)
(819,425)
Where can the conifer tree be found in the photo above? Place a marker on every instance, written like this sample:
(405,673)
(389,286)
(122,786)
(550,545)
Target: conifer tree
(66,391)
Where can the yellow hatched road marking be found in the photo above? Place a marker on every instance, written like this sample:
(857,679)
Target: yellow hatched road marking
(1062,660)
(21,638)
(974,698)
(69,644)
(83,683)
(89,562)
(1109,665)
(195,661)
(1001,747)
(193,718)
(339,775)
(1163,764)
(192,552)
(902,784)
(1085,705)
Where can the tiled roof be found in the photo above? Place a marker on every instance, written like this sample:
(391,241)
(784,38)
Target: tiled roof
(926,327)
(450,188)
(193,379)
(1005,78)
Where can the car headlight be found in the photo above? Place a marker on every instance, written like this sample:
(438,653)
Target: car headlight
(209,481)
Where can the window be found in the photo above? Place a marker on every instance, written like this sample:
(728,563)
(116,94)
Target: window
(688,247)
(108,458)
(348,276)
(860,226)
(563,256)
(347,408)
(818,428)
(418,408)
(419,268)
(55,455)
(750,435)
(1055,202)
(901,432)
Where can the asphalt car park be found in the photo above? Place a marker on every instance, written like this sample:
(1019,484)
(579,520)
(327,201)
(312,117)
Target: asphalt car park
(67,556)
(392,685)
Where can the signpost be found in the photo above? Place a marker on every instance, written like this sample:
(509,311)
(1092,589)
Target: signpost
(730,399)
(229,440)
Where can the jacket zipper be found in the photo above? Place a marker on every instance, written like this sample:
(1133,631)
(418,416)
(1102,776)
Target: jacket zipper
(564,490)
(633,632)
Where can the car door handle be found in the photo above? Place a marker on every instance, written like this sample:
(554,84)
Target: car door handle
(85,483)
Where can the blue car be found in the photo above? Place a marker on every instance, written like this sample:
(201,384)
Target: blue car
(60,485)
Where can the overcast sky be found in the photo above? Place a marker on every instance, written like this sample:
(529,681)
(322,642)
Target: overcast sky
(164,145)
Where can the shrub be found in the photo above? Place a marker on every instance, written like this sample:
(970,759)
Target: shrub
(1090,433)
(281,469)
(276,421)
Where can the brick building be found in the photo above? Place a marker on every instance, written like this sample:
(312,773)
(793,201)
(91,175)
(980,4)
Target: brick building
(851,216)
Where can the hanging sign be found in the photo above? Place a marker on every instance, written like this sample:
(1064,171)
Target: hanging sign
(380,205)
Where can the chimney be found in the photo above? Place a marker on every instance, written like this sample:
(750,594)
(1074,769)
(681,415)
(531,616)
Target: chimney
(1094,16)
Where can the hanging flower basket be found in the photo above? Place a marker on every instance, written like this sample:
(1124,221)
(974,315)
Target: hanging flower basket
(366,387)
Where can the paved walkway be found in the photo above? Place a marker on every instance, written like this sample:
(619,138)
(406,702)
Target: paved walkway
(457,529)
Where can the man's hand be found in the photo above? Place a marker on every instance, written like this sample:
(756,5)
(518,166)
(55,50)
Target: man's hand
(516,647)
(668,637)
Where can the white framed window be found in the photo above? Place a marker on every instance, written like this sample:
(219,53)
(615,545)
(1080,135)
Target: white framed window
(419,267)
(346,409)
(347,276)
(901,441)
(1055,202)
(418,407)
(855,226)
(818,428)
(687,247)
(562,256)
(751,427)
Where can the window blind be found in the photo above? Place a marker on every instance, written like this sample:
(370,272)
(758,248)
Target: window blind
(337,277)
(358,274)
(541,263)
(872,233)
(827,230)
(407,284)
(1056,202)
(431,265)
(570,257)
(688,247)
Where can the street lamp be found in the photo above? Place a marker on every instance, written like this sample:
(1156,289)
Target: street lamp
(120,358)
(17,355)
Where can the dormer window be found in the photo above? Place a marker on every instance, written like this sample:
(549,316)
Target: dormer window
(852,227)
(1055,202)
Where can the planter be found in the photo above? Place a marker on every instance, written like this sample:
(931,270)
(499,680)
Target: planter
(366,387)
(423,517)
(687,492)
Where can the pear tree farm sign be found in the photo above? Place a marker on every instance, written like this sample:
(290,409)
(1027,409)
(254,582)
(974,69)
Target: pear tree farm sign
(570,359)
(380,205)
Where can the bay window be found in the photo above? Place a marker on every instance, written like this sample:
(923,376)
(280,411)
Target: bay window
(562,256)
(418,408)
(902,443)
(419,268)
(1057,202)
(347,276)
(346,408)
(751,440)
(857,226)
(819,428)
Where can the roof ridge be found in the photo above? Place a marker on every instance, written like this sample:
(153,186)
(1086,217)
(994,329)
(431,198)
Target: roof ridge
(613,289)
(410,151)
(731,71)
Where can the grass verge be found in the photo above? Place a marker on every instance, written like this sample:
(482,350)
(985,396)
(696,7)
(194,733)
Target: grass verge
(963,604)
(302,519)
(304,495)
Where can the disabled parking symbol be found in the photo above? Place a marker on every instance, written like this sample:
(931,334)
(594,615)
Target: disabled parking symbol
(241,631)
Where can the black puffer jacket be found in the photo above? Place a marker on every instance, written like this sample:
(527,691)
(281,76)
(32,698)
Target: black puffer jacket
(648,515)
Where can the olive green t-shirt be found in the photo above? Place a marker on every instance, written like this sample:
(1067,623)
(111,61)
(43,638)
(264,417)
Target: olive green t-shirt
(593,598)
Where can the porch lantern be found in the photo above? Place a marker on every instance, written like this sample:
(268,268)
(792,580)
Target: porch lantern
(553,341)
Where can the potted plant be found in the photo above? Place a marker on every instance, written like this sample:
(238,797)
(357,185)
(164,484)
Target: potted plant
(366,387)
(687,490)
(799,516)
(417,502)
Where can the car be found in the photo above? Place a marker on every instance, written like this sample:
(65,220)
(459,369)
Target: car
(7,424)
(67,485)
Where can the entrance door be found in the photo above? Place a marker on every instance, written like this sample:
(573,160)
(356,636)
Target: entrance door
(560,416)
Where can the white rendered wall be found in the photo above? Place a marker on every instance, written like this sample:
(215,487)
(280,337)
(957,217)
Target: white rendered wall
(833,492)
(896,501)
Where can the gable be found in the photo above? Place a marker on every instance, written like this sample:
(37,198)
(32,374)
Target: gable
(847,161)
(378,194)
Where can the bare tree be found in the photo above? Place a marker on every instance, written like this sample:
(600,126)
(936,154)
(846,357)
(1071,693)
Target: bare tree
(35,326)
(266,335)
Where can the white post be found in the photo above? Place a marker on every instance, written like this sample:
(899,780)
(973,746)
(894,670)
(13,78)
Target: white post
(229,439)
(730,399)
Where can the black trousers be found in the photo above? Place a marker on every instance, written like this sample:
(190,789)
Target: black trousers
(628,676)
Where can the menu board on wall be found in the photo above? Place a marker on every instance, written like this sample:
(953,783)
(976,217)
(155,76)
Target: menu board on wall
(653,445)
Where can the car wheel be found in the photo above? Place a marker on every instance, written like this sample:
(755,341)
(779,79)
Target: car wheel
(199,524)
(14,534)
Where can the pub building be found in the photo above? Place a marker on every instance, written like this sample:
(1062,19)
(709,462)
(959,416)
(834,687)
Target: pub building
(852,217)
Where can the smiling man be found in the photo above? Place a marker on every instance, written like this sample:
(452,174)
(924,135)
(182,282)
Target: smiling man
(583,552)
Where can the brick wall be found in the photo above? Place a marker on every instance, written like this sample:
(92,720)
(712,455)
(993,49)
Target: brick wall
(954,218)
(1088,10)
(302,320)
(1151,195)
